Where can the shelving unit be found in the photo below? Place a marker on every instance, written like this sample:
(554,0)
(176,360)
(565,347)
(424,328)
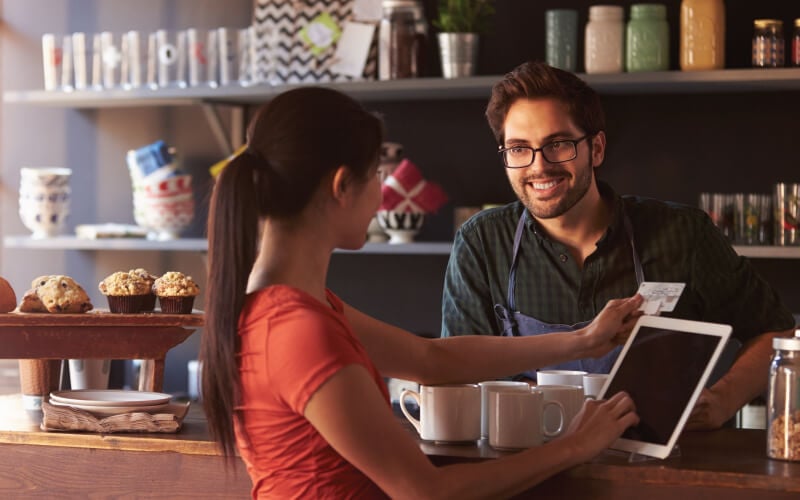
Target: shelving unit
(478,87)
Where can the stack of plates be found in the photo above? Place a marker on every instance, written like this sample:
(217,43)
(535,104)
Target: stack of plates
(111,401)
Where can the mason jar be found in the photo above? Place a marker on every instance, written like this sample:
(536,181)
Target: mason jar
(783,406)
(647,38)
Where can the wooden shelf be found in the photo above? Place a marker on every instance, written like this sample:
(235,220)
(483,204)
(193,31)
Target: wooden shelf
(197,245)
(477,87)
(201,245)
(75,243)
(768,252)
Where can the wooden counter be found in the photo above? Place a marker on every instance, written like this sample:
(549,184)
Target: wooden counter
(39,464)
(728,464)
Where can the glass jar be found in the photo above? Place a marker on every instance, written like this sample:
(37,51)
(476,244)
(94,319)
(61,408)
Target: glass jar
(402,40)
(604,39)
(702,44)
(768,44)
(647,38)
(783,407)
(796,43)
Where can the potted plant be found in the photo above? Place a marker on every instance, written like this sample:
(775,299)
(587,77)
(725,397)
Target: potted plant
(461,22)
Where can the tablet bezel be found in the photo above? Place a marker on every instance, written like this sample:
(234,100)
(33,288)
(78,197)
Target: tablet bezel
(721,331)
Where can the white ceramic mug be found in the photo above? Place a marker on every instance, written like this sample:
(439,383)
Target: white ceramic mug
(89,373)
(446,412)
(496,385)
(593,383)
(560,377)
(570,397)
(516,419)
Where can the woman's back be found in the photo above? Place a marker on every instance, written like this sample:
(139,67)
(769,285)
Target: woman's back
(290,345)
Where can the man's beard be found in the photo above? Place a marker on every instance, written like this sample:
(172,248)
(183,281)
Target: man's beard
(547,210)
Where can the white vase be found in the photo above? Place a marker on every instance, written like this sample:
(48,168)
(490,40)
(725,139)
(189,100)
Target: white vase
(459,54)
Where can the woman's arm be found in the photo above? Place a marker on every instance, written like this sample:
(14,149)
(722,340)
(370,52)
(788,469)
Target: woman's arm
(470,358)
(349,411)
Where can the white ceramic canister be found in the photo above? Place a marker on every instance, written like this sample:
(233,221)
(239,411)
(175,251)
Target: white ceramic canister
(605,35)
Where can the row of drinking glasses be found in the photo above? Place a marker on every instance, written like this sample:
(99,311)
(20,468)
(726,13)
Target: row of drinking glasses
(166,58)
(744,218)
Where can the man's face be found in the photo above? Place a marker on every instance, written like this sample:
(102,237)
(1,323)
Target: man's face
(547,189)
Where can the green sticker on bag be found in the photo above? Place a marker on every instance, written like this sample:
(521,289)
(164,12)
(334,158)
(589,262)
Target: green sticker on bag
(321,33)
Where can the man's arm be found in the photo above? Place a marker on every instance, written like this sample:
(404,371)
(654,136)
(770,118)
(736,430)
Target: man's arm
(745,380)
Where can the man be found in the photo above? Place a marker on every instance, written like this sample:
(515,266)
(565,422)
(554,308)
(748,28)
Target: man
(552,259)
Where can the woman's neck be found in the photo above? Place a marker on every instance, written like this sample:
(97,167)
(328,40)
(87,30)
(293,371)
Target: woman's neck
(292,257)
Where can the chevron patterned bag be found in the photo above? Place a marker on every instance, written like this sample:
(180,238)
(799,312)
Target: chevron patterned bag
(282,54)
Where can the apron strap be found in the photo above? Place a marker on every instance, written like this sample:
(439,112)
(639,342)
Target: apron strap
(512,275)
(637,264)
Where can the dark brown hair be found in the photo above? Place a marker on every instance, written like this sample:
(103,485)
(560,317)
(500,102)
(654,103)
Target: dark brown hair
(294,142)
(535,79)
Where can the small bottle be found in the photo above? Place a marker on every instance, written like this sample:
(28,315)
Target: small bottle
(768,44)
(783,406)
(702,45)
(605,35)
(796,43)
(647,38)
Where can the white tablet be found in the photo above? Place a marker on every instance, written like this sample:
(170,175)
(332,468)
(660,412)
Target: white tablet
(663,366)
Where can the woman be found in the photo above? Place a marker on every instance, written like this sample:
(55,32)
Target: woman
(292,376)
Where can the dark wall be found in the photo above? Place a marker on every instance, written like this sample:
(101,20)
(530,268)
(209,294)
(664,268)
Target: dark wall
(668,146)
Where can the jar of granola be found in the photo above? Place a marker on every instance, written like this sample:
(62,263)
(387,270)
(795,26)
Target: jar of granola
(783,407)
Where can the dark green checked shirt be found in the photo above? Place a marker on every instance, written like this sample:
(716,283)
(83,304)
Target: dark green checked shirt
(675,243)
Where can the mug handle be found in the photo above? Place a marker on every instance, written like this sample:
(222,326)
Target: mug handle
(561,414)
(415,396)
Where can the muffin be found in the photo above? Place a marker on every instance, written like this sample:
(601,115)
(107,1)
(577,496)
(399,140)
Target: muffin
(55,294)
(149,301)
(126,292)
(176,292)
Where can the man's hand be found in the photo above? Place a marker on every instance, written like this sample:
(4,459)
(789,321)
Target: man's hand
(708,413)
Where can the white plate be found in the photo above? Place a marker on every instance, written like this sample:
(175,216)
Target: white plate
(110,397)
(112,410)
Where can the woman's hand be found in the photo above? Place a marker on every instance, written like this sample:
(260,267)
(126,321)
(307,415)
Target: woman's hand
(612,326)
(600,423)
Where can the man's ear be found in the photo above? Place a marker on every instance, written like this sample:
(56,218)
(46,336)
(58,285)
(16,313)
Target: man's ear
(598,149)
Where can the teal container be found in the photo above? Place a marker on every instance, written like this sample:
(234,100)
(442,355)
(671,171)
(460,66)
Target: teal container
(561,38)
(647,38)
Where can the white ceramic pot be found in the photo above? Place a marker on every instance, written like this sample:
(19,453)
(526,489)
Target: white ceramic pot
(44,199)
(400,226)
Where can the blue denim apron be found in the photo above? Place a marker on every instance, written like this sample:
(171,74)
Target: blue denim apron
(518,324)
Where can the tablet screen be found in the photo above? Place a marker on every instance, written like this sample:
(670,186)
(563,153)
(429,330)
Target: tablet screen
(661,372)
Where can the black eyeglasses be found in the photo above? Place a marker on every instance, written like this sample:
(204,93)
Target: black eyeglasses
(553,152)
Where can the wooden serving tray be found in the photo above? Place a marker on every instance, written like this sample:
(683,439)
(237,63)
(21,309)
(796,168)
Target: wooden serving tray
(98,334)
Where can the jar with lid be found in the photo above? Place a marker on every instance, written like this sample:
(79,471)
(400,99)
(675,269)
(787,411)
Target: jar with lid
(402,39)
(796,43)
(605,35)
(768,44)
(702,44)
(783,406)
(647,38)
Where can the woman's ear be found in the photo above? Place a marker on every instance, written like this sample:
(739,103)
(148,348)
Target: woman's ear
(341,183)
